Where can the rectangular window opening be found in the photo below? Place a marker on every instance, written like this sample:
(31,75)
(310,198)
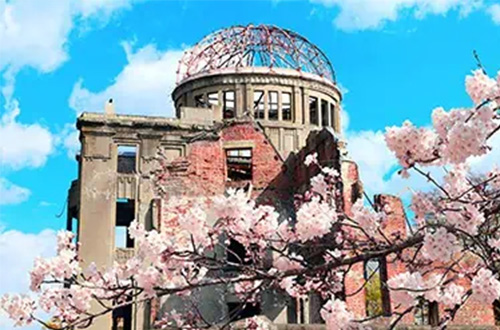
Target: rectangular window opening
(376,291)
(325,117)
(229,105)
(286,106)
(127,159)
(426,312)
(242,310)
(239,164)
(122,318)
(125,214)
(258,104)
(236,253)
(273,105)
(332,115)
(313,110)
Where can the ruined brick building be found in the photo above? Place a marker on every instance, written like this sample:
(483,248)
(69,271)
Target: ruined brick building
(250,103)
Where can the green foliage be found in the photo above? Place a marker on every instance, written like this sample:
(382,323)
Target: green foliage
(373,293)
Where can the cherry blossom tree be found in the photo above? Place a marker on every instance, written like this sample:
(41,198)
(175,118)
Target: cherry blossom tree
(451,253)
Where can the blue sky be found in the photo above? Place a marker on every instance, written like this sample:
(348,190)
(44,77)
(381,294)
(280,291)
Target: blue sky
(395,60)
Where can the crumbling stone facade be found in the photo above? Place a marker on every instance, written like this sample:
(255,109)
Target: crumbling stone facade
(247,128)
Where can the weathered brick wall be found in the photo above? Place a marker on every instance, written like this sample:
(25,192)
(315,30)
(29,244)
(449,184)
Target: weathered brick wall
(203,170)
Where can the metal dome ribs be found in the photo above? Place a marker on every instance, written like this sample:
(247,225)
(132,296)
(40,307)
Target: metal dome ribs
(254,46)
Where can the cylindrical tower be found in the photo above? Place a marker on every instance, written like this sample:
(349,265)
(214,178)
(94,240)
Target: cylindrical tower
(273,75)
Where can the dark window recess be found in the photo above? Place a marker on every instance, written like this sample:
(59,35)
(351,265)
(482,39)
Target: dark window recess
(355,192)
(239,164)
(273,105)
(229,105)
(286,106)
(125,214)
(313,110)
(238,311)
(426,312)
(332,114)
(199,101)
(236,253)
(122,318)
(325,117)
(496,311)
(258,104)
(213,98)
(127,157)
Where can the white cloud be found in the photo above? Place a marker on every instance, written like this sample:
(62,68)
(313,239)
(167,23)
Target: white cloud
(369,151)
(17,253)
(494,12)
(142,87)
(69,140)
(11,193)
(35,33)
(372,14)
(23,145)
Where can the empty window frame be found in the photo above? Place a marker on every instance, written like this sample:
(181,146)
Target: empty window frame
(376,291)
(127,159)
(199,101)
(125,214)
(426,312)
(325,117)
(213,98)
(258,104)
(313,110)
(229,105)
(236,253)
(286,106)
(122,318)
(273,105)
(239,164)
(242,310)
(332,115)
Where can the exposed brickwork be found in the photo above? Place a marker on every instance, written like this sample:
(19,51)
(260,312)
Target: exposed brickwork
(202,171)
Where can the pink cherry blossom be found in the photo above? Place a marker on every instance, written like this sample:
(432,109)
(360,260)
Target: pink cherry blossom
(19,308)
(479,86)
(311,159)
(336,315)
(314,219)
(485,286)
(440,245)
(367,219)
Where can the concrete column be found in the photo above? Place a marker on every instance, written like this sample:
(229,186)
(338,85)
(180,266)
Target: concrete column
(338,118)
(280,110)
(305,100)
(98,208)
(297,104)
(266,105)
(248,99)
(239,96)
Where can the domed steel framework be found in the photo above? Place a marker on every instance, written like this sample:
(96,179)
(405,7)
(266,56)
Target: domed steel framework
(254,46)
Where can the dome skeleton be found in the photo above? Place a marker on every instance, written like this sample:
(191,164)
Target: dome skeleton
(254,46)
